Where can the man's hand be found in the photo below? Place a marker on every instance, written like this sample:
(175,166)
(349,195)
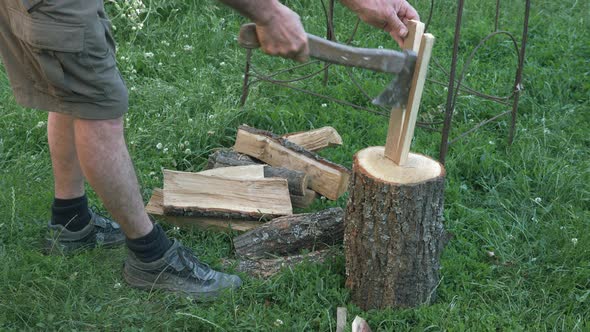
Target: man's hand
(283,35)
(279,29)
(388,15)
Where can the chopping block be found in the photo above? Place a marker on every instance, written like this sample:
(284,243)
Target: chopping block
(394,233)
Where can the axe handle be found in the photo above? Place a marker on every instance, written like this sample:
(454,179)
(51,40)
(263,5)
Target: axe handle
(381,60)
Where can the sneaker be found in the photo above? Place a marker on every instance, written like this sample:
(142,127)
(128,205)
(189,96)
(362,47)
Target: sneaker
(100,231)
(180,271)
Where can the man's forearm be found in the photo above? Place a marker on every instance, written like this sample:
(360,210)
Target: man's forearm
(259,11)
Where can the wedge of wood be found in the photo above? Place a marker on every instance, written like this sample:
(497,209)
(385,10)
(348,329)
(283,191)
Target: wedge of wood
(298,181)
(326,178)
(194,194)
(315,140)
(154,208)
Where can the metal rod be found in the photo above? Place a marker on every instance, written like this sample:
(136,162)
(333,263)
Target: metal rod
(246,86)
(476,127)
(444,145)
(518,79)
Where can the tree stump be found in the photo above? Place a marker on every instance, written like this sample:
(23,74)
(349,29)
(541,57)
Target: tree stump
(394,232)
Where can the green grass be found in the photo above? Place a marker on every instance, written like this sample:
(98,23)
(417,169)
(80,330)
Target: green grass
(528,203)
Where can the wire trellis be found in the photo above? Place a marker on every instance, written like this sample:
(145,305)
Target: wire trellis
(454,85)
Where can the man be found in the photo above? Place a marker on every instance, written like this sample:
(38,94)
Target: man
(60,57)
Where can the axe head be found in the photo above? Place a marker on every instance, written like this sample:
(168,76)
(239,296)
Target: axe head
(396,93)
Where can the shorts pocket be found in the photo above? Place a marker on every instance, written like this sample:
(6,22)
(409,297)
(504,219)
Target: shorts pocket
(68,67)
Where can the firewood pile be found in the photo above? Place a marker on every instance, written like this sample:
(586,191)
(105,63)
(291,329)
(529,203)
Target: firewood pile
(253,188)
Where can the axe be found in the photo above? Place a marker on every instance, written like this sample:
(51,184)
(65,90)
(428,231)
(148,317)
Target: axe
(380,60)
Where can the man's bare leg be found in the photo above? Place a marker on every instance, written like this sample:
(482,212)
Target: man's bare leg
(67,174)
(106,164)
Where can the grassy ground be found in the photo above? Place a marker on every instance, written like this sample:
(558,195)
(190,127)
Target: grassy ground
(528,203)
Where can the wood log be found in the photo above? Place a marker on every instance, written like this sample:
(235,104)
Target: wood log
(228,157)
(155,209)
(193,194)
(297,181)
(290,234)
(315,140)
(326,178)
(394,233)
(305,200)
(266,268)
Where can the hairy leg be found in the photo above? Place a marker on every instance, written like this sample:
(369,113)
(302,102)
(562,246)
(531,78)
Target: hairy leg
(67,174)
(106,164)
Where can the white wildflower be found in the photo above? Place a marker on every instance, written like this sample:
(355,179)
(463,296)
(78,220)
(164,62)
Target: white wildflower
(278,322)
(187,48)
(575,241)
(222,63)
(538,200)
(324,105)
(380,47)
(148,54)
(160,64)
(187,151)
(491,142)
(159,146)
(117,285)
(165,150)
(41,124)
(165,43)
(152,173)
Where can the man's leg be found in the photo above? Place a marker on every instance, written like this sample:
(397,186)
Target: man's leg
(68,177)
(105,162)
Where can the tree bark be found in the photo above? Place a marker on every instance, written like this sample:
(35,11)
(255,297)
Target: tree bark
(394,230)
(289,234)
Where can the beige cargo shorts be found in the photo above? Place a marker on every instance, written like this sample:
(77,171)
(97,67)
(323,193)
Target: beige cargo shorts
(60,57)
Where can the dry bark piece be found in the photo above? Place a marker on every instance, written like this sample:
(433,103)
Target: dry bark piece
(315,140)
(326,178)
(154,208)
(290,234)
(193,194)
(298,181)
(265,268)
(394,230)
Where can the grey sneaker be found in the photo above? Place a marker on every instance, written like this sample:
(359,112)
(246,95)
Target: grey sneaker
(100,231)
(180,271)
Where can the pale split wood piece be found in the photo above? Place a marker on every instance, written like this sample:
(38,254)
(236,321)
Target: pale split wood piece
(401,154)
(360,325)
(237,172)
(341,314)
(194,194)
(326,178)
(315,140)
(154,208)
(398,114)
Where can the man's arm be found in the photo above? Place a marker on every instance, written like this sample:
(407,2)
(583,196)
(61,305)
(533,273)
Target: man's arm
(279,29)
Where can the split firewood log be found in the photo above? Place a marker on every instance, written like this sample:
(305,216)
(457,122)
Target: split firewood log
(326,178)
(290,234)
(315,140)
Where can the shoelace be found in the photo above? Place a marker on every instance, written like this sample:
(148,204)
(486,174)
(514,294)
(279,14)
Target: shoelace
(189,259)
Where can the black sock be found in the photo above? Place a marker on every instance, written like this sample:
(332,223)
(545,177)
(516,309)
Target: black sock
(71,213)
(151,246)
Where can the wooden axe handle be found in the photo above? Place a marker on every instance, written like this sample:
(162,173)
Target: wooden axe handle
(381,60)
